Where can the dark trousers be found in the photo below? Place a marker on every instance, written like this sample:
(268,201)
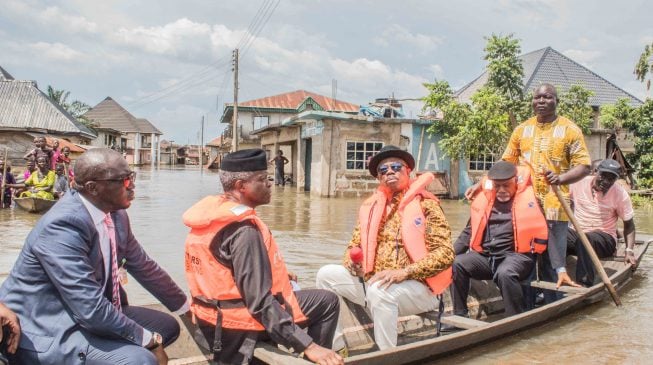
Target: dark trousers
(604,245)
(102,350)
(507,272)
(321,307)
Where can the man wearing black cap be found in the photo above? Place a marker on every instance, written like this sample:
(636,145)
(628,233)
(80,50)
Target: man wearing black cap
(505,230)
(406,249)
(237,277)
(598,203)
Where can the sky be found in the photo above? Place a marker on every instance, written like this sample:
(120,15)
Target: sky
(170,61)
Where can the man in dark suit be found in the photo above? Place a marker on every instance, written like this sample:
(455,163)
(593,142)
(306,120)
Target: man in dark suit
(65,285)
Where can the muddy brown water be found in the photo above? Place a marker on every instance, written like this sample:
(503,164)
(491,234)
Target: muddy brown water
(314,231)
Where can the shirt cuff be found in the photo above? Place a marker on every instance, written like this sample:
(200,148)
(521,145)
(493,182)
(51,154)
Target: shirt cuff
(561,269)
(147,337)
(300,340)
(184,308)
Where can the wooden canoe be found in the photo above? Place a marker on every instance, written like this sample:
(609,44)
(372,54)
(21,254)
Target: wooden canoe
(34,205)
(417,340)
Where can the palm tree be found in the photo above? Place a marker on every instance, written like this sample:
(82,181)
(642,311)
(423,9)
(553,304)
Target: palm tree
(644,66)
(76,108)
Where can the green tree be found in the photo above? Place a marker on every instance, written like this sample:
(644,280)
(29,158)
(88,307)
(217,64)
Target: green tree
(574,104)
(641,124)
(617,115)
(76,108)
(644,66)
(506,74)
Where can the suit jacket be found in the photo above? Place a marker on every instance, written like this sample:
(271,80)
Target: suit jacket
(57,285)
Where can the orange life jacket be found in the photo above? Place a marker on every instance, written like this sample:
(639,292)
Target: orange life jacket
(209,280)
(529,225)
(413,226)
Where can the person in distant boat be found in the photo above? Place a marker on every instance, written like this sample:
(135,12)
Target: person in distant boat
(56,153)
(237,277)
(406,244)
(506,229)
(555,148)
(29,168)
(65,288)
(598,204)
(61,181)
(40,149)
(9,181)
(279,161)
(9,333)
(40,182)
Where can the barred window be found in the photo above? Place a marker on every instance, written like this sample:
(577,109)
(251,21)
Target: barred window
(482,161)
(358,153)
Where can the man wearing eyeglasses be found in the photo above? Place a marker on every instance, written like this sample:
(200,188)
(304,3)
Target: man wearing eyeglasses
(65,286)
(406,245)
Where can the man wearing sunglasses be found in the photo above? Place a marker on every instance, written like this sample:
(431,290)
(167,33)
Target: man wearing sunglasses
(64,286)
(406,245)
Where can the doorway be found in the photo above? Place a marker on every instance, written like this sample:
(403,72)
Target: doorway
(307,164)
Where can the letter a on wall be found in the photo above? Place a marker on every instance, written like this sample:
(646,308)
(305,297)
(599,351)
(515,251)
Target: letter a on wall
(431,162)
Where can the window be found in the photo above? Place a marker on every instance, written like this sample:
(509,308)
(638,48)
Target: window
(260,122)
(359,152)
(482,161)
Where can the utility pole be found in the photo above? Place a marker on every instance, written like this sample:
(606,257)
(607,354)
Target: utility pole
(234,123)
(202,148)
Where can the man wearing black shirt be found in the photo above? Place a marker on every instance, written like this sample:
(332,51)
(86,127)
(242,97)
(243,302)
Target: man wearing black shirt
(492,254)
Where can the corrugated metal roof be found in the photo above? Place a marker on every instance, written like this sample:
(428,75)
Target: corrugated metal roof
(547,65)
(294,99)
(24,106)
(4,75)
(109,114)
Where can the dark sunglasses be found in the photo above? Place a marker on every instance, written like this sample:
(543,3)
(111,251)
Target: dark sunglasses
(126,180)
(395,166)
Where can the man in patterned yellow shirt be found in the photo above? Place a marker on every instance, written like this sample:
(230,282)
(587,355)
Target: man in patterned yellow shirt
(406,249)
(555,148)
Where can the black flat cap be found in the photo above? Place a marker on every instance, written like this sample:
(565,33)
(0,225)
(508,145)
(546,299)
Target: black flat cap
(390,151)
(609,165)
(253,159)
(502,170)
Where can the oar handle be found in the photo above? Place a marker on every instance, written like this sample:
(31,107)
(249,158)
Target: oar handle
(4,180)
(588,246)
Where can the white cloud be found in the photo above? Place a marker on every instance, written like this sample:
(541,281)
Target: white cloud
(436,70)
(53,16)
(54,51)
(396,34)
(584,57)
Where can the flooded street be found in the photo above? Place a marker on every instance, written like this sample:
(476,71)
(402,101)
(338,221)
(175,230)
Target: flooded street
(313,231)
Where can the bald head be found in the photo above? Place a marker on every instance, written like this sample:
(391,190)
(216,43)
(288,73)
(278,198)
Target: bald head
(98,163)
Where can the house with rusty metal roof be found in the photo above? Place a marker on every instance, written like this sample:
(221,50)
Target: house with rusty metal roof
(138,138)
(27,112)
(269,111)
(547,65)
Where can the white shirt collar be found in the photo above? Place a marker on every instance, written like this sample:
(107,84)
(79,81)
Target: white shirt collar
(96,214)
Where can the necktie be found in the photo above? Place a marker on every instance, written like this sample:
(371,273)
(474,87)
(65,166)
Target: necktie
(115,285)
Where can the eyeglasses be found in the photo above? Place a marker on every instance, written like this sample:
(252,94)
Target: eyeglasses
(384,169)
(126,180)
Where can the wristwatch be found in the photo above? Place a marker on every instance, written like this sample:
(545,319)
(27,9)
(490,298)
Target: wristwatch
(156,341)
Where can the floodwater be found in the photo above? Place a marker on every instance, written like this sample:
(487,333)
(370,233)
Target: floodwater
(314,231)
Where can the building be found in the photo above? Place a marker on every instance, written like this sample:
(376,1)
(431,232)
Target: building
(547,65)
(330,151)
(254,115)
(26,112)
(139,139)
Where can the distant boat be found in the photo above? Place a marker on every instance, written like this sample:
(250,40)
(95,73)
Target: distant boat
(34,205)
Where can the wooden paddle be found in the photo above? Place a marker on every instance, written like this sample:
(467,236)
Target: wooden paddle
(588,246)
(4,181)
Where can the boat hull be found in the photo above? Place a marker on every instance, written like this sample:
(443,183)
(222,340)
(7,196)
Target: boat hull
(34,205)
